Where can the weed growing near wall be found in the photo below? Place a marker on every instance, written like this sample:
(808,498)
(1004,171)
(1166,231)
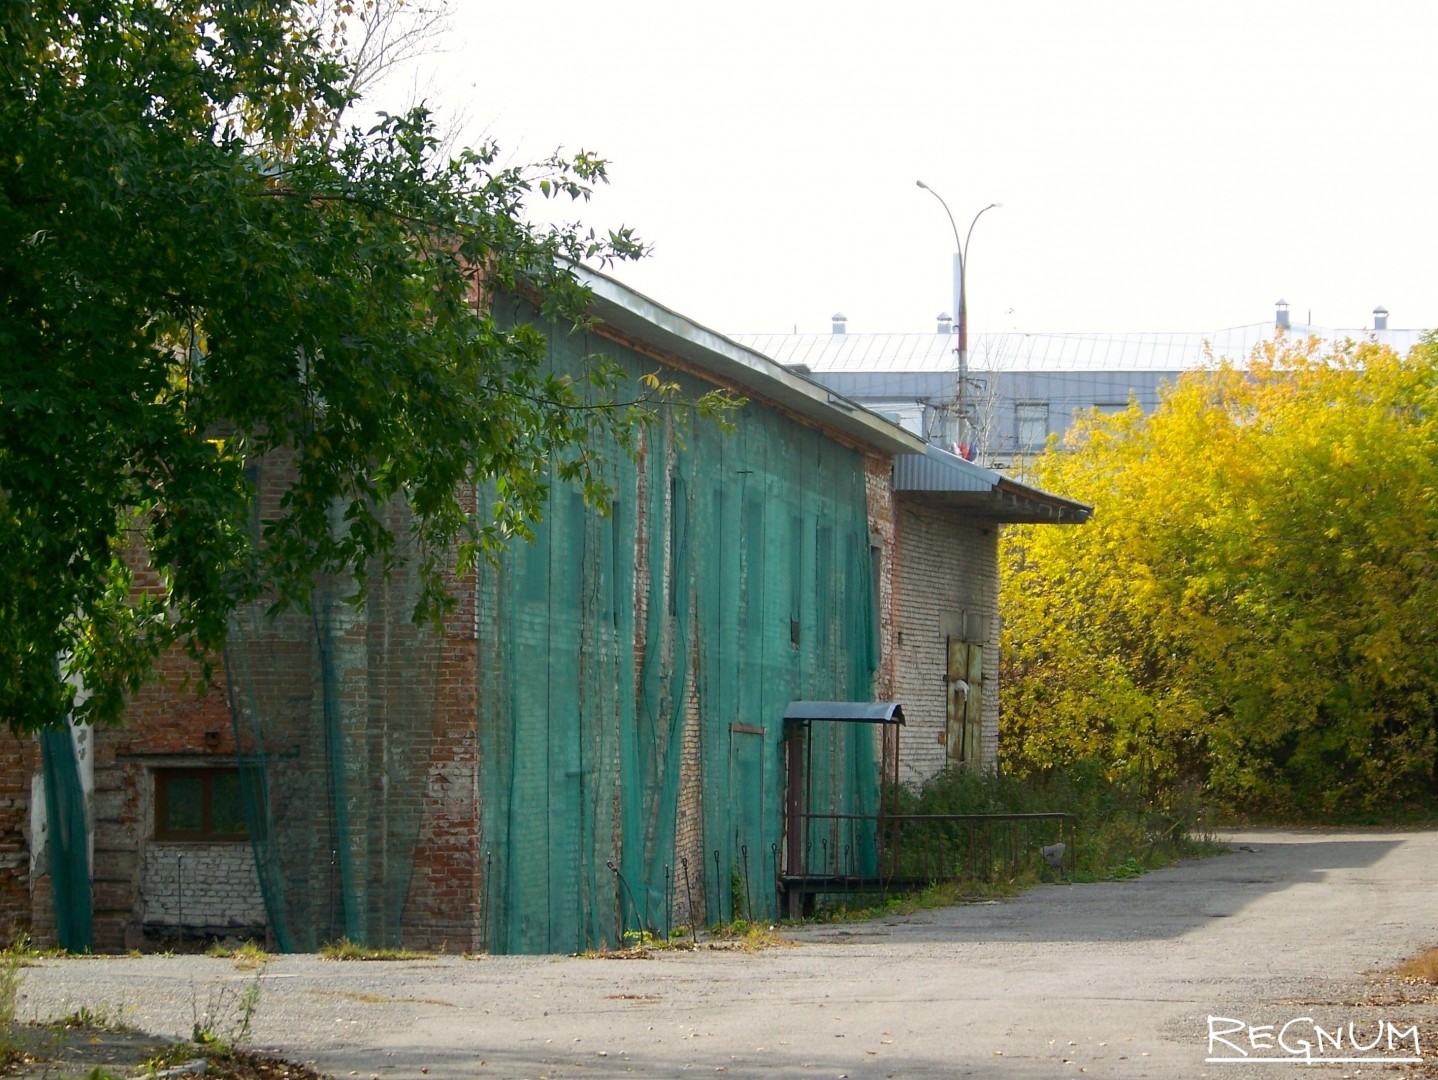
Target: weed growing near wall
(1116,832)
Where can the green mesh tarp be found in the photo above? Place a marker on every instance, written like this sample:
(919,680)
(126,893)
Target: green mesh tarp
(632,671)
(334,711)
(67,839)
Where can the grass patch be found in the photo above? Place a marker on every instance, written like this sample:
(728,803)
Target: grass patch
(246,956)
(344,949)
(745,936)
(640,944)
(94,1019)
(177,1053)
(12,959)
(679,938)
(738,936)
(1422,968)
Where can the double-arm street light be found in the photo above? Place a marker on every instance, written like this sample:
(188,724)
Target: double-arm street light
(961,312)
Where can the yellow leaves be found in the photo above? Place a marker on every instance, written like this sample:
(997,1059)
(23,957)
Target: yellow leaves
(1253,573)
(652,382)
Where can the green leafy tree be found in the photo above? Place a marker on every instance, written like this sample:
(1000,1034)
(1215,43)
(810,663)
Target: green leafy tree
(1251,606)
(198,267)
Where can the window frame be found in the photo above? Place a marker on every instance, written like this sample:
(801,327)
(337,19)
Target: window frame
(206,834)
(1033,417)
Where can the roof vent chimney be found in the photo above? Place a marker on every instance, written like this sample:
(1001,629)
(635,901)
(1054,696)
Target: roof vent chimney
(946,324)
(841,323)
(1380,318)
(1281,320)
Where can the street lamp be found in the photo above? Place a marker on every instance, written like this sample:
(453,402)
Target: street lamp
(961,307)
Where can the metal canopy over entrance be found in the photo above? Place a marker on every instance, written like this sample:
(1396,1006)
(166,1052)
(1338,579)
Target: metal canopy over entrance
(858,712)
(827,852)
(831,852)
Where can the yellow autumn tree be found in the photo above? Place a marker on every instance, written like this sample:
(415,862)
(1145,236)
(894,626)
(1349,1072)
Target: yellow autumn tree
(1254,604)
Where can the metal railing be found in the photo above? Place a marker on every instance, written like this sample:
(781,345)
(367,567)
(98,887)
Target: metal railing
(841,851)
(977,847)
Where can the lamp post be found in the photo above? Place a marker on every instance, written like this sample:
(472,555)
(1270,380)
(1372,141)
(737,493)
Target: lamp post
(961,313)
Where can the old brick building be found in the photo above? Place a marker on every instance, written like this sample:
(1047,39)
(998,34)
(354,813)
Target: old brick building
(949,513)
(596,741)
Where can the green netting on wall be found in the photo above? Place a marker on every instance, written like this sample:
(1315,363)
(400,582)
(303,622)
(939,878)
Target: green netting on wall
(784,613)
(634,670)
(555,676)
(334,711)
(67,838)
(631,672)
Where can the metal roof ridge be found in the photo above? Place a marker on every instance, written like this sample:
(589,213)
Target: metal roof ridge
(1264,326)
(629,310)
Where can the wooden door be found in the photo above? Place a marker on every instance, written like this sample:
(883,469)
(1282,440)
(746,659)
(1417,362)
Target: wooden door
(963,728)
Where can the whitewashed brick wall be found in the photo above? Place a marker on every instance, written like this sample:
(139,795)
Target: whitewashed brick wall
(210,885)
(946,575)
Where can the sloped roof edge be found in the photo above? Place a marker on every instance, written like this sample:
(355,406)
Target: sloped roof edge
(637,316)
(947,479)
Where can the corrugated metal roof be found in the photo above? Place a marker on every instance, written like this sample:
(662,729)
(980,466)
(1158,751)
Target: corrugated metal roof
(858,352)
(1016,351)
(949,480)
(939,470)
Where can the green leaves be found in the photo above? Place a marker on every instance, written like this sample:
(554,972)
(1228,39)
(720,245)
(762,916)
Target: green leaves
(199,273)
(1251,604)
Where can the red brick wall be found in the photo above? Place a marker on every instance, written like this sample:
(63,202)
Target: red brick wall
(162,719)
(17,765)
(445,907)
(169,722)
(407,779)
(173,717)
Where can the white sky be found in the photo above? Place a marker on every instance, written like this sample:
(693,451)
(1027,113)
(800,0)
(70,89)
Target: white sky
(1162,165)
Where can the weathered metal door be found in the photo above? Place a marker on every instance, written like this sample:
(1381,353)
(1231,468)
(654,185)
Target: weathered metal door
(964,726)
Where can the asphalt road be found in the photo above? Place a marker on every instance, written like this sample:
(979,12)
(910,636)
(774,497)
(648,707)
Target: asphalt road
(1112,980)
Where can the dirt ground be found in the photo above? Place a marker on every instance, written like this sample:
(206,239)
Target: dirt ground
(51,1053)
(1241,956)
